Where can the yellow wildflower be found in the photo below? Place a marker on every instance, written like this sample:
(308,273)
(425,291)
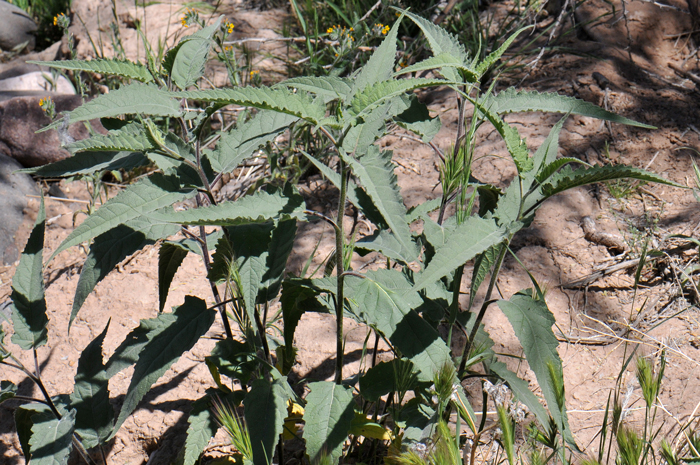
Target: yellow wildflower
(229,27)
(254,72)
(386,30)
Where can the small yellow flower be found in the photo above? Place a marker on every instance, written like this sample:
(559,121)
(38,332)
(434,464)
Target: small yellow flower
(229,27)
(386,30)
(329,30)
(254,72)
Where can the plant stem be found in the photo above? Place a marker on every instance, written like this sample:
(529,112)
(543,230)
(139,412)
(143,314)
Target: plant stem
(340,269)
(487,301)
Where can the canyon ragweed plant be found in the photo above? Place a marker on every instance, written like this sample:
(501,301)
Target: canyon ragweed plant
(244,245)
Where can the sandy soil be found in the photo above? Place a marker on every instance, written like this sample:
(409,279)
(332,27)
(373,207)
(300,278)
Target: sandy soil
(599,324)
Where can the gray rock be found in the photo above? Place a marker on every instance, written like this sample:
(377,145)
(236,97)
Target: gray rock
(36,81)
(14,188)
(21,117)
(17,27)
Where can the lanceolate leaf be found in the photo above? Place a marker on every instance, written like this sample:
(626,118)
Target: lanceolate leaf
(442,60)
(202,427)
(278,99)
(132,99)
(112,247)
(381,64)
(132,137)
(128,351)
(532,322)
(376,94)
(256,208)
(493,57)
(191,56)
(511,100)
(90,397)
(520,389)
(553,167)
(170,257)
(545,155)
(440,41)
(146,196)
(389,311)
(28,303)
(265,411)
(328,417)
(375,171)
(569,177)
(52,438)
(483,263)
(329,88)
(189,322)
(470,238)
(88,163)
(125,69)
(241,142)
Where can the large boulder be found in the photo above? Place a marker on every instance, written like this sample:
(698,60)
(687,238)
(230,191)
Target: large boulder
(21,117)
(14,188)
(17,27)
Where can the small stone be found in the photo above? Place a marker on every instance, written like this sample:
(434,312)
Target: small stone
(37,81)
(14,188)
(17,27)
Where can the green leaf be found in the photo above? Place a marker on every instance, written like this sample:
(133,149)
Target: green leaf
(512,100)
(234,359)
(329,88)
(88,163)
(440,42)
(170,257)
(483,263)
(187,324)
(422,210)
(90,397)
(278,251)
(28,303)
(143,198)
(470,238)
(300,296)
(493,57)
(380,65)
(376,94)
(532,322)
(202,427)
(139,99)
(383,378)
(387,244)
(52,439)
(442,60)
(7,390)
(265,411)
(548,170)
(23,425)
(280,100)
(569,177)
(128,351)
(375,171)
(416,118)
(383,300)
(328,417)
(191,56)
(109,67)
(241,142)
(248,245)
(255,208)
(131,138)
(545,155)
(113,246)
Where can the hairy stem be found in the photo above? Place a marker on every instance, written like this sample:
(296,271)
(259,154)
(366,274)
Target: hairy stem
(340,270)
(482,311)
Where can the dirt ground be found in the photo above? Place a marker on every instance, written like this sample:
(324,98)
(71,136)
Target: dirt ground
(627,65)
